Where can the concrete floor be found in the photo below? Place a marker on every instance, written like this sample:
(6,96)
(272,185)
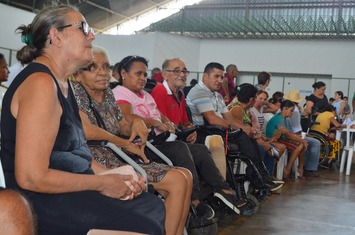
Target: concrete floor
(320,206)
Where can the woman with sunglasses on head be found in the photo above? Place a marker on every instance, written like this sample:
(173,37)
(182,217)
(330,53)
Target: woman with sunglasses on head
(43,148)
(103,120)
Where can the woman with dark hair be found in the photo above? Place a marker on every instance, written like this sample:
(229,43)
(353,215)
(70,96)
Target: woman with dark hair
(316,102)
(339,104)
(244,100)
(43,147)
(293,142)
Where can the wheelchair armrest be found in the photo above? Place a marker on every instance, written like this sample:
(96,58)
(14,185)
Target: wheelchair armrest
(219,130)
(184,133)
(212,127)
(233,132)
(121,154)
(101,143)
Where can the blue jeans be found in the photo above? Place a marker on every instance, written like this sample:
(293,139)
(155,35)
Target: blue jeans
(269,162)
(311,159)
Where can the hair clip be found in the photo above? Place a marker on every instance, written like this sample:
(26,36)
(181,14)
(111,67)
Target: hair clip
(27,38)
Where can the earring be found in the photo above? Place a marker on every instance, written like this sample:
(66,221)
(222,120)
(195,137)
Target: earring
(122,78)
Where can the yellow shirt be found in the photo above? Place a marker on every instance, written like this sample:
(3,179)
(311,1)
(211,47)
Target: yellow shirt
(324,122)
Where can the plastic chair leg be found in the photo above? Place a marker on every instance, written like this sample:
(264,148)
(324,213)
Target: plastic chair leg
(342,162)
(295,165)
(280,166)
(349,161)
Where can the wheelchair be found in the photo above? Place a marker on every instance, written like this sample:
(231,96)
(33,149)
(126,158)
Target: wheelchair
(235,162)
(330,148)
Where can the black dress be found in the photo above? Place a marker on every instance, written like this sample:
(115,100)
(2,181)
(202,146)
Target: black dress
(77,212)
(318,104)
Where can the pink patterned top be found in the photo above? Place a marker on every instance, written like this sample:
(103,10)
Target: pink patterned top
(143,105)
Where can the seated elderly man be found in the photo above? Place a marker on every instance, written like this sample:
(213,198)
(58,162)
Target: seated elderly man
(171,103)
(207,104)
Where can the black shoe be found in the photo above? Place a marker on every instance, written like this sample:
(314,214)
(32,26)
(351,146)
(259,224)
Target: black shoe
(204,210)
(273,186)
(228,200)
(198,222)
(269,179)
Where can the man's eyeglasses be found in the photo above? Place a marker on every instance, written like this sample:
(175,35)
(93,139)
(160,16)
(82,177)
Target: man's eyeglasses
(83,26)
(177,72)
(95,67)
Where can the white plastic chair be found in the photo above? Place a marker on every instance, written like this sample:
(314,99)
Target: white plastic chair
(348,150)
(282,163)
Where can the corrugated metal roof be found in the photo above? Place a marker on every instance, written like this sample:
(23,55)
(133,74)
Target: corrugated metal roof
(301,19)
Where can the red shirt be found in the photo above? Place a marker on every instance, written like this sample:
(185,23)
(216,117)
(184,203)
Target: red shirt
(168,105)
(231,86)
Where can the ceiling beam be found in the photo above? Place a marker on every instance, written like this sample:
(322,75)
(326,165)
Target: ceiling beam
(106,9)
(135,15)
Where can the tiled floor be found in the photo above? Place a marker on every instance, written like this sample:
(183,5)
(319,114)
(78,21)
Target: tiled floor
(321,206)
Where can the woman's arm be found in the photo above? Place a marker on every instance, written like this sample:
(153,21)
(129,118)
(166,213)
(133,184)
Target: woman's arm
(308,109)
(336,123)
(93,132)
(341,108)
(270,108)
(34,104)
(237,113)
(127,110)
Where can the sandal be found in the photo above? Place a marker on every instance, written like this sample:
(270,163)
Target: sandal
(286,175)
(303,178)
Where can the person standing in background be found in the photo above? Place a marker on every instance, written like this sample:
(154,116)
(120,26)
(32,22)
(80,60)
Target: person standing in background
(347,106)
(115,77)
(4,74)
(228,84)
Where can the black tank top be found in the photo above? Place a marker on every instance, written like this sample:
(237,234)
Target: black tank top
(70,152)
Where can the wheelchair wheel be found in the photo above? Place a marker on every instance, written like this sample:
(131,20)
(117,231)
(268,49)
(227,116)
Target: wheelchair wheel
(324,148)
(255,203)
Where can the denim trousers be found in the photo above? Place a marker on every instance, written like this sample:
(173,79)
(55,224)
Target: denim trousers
(311,159)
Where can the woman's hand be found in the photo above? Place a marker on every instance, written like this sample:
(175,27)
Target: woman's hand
(137,149)
(305,143)
(192,137)
(122,186)
(114,186)
(139,129)
(248,131)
